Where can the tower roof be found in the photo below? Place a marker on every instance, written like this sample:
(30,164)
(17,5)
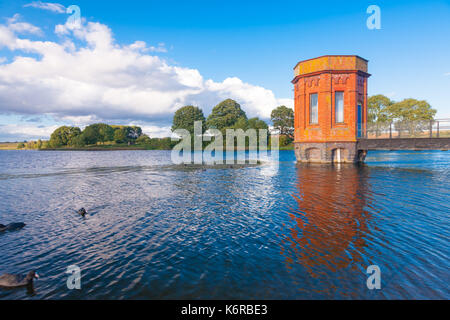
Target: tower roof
(331,62)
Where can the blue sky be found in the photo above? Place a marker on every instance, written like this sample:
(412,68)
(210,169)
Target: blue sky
(254,43)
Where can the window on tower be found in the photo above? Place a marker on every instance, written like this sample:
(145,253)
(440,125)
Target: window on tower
(313,108)
(339,106)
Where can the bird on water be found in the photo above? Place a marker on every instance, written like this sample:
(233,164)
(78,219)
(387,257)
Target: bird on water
(12,226)
(82,212)
(11,281)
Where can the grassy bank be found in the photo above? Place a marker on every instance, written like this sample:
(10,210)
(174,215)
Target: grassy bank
(8,145)
(288,147)
(102,148)
(132,147)
(118,147)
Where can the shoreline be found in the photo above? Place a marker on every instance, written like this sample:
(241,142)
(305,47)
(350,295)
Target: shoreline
(97,149)
(123,148)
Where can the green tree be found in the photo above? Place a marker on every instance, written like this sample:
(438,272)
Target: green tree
(98,132)
(241,123)
(21,145)
(161,144)
(78,141)
(256,123)
(91,134)
(165,143)
(63,136)
(185,117)
(284,141)
(45,144)
(377,108)
(252,123)
(144,139)
(377,113)
(131,133)
(106,132)
(411,110)
(225,115)
(120,135)
(411,115)
(283,120)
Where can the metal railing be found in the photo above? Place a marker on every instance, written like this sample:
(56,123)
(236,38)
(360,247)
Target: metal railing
(437,128)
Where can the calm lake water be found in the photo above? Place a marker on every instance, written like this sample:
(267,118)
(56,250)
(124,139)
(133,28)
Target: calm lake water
(158,231)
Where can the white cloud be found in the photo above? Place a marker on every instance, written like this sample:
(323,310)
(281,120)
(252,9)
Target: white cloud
(54,7)
(80,120)
(155,131)
(103,80)
(27,131)
(22,27)
(447,74)
(142,46)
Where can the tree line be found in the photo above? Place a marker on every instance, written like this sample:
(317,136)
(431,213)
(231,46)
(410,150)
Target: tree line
(382,109)
(228,114)
(411,115)
(98,133)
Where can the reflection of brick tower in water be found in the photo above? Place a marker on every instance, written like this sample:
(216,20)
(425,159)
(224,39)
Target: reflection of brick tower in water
(330,108)
(331,222)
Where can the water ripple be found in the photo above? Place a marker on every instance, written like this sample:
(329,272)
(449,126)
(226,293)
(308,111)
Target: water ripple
(159,231)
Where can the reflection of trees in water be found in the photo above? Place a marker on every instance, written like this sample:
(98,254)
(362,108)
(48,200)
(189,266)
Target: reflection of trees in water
(331,221)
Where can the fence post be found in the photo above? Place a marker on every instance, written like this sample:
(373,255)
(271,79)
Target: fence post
(437,133)
(431,128)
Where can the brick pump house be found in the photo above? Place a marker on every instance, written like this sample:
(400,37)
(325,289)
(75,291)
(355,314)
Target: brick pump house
(330,108)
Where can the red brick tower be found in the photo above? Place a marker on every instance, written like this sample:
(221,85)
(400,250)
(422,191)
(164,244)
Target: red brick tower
(330,108)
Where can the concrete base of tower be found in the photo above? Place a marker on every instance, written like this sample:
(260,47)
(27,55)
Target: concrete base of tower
(329,152)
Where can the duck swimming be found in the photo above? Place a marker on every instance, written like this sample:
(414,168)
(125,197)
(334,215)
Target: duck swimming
(82,212)
(11,281)
(12,226)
